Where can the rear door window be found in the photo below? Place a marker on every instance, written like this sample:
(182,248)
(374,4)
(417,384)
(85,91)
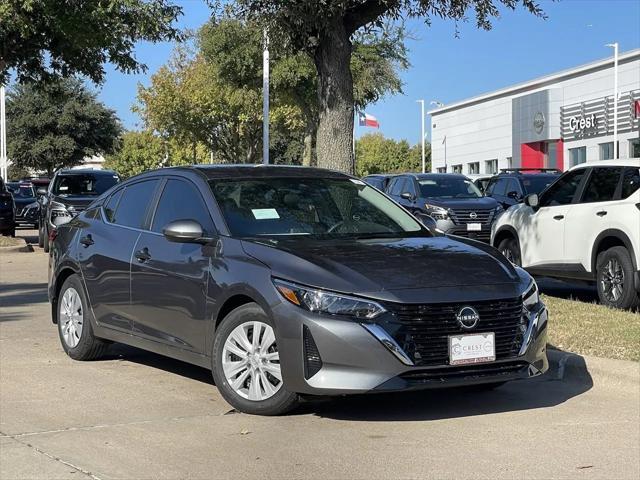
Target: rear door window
(602,185)
(133,206)
(112,204)
(630,181)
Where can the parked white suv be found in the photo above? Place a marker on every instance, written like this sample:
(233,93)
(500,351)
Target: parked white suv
(584,226)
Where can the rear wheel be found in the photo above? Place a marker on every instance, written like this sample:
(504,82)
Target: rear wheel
(247,364)
(45,239)
(615,279)
(510,248)
(40,237)
(74,324)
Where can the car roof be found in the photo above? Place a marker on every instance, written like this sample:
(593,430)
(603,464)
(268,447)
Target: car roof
(261,171)
(85,171)
(425,176)
(628,162)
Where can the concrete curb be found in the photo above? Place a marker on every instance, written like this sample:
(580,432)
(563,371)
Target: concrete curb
(571,366)
(17,248)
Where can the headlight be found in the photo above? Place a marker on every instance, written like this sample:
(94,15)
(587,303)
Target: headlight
(531,298)
(321,301)
(436,212)
(499,209)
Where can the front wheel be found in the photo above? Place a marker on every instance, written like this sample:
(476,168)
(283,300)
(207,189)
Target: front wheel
(246,366)
(45,239)
(615,279)
(509,248)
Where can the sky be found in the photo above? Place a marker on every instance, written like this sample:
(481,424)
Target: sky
(520,47)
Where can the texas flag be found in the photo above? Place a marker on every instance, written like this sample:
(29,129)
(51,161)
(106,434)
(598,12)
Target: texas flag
(636,109)
(366,120)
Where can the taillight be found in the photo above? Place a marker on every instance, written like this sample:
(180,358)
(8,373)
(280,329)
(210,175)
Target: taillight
(53,234)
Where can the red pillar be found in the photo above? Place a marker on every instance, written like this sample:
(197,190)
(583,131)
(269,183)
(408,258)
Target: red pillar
(531,155)
(560,155)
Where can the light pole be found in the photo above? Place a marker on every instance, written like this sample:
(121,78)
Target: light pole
(439,104)
(421,102)
(615,97)
(265,99)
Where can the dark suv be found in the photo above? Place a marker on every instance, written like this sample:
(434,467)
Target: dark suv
(69,193)
(7,211)
(511,185)
(289,281)
(452,200)
(24,196)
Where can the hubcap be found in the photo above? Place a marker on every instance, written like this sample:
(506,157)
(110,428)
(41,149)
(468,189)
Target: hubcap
(71,318)
(251,362)
(612,280)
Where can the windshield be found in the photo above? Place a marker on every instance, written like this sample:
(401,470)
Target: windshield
(310,206)
(537,183)
(85,184)
(21,191)
(448,187)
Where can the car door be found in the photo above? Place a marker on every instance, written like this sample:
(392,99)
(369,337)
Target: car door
(169,280)
(541,234)
(590,215)
(106,245)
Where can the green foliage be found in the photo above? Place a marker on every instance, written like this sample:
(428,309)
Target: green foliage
(45,39)
(142,151)
(57,125)
(377,154)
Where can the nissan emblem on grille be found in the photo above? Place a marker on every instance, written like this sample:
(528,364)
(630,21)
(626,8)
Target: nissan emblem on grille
(468,317)
(473,215)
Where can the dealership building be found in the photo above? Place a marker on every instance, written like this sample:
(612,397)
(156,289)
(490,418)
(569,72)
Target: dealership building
(555,121)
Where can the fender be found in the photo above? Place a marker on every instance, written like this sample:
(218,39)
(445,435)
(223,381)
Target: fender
(620,235)
(506,228)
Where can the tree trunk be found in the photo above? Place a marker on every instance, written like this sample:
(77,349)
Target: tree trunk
(309,156)
(332,57)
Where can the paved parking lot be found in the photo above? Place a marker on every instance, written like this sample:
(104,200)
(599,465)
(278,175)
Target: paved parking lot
(138,415)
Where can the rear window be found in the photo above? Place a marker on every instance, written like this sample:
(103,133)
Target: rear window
(83,184)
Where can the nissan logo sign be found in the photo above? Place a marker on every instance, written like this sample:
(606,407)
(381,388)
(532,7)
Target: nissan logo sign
(468,317)
(538,122)
(473,215)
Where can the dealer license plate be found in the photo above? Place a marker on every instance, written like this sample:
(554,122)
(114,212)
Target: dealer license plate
(475,348)
(474,227)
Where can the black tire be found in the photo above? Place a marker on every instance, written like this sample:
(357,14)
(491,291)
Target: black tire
(12,232)
(281,402)
(624,295)
(510,248)
(40,237)
(89,347)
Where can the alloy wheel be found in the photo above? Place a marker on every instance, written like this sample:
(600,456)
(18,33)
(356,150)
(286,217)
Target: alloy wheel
(251,362)
(612,280)
(71,317)
(508,253)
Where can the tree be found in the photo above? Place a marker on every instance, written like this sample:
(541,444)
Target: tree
(326,29)
(46,39)
(377,154)
(57,125)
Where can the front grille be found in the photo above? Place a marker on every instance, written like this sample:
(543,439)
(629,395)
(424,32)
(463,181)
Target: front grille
(423,331)
(464,216)
(483,236)
(465,372)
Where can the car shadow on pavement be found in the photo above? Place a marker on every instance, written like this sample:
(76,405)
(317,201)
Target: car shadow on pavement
(19,295)
(437,404)
(581,291)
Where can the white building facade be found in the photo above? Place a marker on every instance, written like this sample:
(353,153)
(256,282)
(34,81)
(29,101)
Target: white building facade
(555,121)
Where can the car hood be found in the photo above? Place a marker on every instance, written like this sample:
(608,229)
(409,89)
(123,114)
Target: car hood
(481,203)
(373,266)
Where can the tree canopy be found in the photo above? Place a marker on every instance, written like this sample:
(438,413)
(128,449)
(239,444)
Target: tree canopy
(326,30)
(57,125)
(377,154)
(45,39)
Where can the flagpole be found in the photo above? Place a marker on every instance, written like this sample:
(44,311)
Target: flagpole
(355,123)
(3,137)
(265,99)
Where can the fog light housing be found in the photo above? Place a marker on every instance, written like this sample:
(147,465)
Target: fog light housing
(312,359)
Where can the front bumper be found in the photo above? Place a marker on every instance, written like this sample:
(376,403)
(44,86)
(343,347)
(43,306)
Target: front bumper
(449,227)
(354,360)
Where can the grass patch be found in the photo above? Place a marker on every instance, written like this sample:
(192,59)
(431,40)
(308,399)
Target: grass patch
(11,241)
(592,329)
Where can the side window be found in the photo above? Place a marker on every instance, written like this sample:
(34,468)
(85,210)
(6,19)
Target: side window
(490,187)
(500,188)
(180,200)
(390,185)
(602,185)
(630,181)
(132,207)
(410,186)
(564,189)
(398,186)
(514,186)
(112,204)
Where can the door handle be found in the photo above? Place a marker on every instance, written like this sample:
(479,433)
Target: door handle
(601,213)
(87,240)
(558,217)
(142,255)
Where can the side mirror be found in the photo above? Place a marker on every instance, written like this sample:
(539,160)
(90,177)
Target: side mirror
(406,196)
(532,200)
(515,195)
(41,191)
(428,221)
(184,231)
